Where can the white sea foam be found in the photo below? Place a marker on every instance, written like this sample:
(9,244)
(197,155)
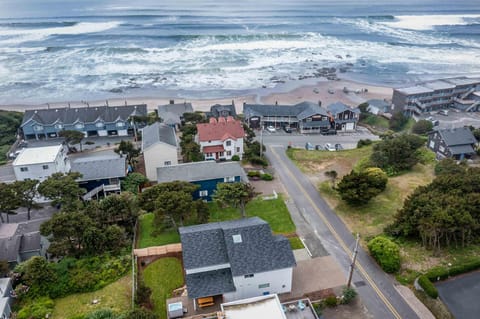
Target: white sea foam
(428,22)
(17,36)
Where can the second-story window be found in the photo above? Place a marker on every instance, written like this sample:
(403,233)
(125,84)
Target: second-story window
(229,143)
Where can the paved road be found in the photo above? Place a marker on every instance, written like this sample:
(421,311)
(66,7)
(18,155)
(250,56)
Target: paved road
(6,173)
(373,285)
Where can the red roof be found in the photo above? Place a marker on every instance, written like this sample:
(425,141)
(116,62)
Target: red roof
(221,130)
(213,149)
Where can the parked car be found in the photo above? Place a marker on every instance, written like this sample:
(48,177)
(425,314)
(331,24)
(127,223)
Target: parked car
(309,146)
(338,147)
(329,147)
(271,129)
(443,112)
(287,129)
(328,131)
(319,147)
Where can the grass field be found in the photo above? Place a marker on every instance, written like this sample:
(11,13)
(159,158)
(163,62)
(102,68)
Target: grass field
(116,296)
(274,212)
(296,243)
(146,237)
(163,276)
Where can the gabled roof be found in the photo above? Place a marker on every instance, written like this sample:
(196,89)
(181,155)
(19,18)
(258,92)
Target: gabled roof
(172,113)
(310,109)
(69,116)
(9,248)
(457,136)
(199,171)
(339,107)
(158,133)
(217,108)
(38,155)
(103,166)
(210,283)
(216,130)
(378,103)
(30,242)
(256,251)
(271,110)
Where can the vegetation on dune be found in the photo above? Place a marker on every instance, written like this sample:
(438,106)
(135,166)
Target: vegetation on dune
(9,123)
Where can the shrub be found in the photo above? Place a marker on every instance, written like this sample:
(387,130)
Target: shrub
(386,253)
(235,158)
(427,286)
(348,295)
(318,308)
(139,313)
(37,309)
(357,188)
(254,174)
(257,160)
(422,127)
(266,177)
(362,143)
(331,301)
(102,314)
(440,273)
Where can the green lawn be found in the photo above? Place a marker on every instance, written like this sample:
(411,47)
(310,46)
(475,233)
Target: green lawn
(163,276)
(296,243)
(116,296)
(375,121)
(146,238)
(274,212)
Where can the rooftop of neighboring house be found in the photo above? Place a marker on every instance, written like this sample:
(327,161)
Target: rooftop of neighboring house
(158,133)
(281,110)
(9,248)
(102,165)
(171,113)
(89,114)
(339,107)
(265,307)
(379,103)
(217,108)
(457,136)
(221,129)
(230,248)
(4,285)
(38,155)
(199,171)
(442,84)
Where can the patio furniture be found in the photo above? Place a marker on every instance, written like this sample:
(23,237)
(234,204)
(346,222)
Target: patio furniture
(292,307)
(284,309)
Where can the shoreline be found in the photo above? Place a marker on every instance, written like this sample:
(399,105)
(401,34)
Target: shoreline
(312,90)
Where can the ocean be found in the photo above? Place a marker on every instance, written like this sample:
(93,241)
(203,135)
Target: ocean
(53,50)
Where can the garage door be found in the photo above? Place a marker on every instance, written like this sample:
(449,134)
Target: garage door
(122,132)
(350,126)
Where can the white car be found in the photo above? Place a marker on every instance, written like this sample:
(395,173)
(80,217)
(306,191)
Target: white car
(330,147)
(271,129)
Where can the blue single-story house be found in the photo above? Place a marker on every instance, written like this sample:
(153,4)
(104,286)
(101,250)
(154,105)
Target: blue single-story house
(205,174)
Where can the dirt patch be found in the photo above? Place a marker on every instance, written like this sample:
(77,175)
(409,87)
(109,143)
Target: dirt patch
(354,310)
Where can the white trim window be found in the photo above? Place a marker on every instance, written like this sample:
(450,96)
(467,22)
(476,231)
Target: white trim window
(203,193)
(229,179)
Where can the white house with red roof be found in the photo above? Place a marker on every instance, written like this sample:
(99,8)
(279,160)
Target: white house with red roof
(221,139)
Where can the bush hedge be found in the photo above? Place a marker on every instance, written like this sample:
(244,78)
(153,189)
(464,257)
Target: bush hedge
(257,160)
(37,309)
(331,301)
(362,143)
(427,286)
(235,158)
(266,177)
(254,174)
(386,253)
(348,294)
(441,272)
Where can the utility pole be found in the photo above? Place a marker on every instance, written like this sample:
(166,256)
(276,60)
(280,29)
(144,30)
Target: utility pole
(261,138)
(354,259)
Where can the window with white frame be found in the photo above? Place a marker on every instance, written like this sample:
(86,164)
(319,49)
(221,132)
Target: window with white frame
(229,179)
(167,163)
(248,276)
(221,154)
(229,153)
(263,286)
(99,124)
(23,169)
(38,128)
(228,143)
(203,193)
(238,149)
(79,125)
(59,126)
(45,166)
(120,124)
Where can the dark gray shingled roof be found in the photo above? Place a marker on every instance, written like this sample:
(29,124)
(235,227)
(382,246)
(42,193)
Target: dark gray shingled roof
(30,242)
(174,111)
(461,149)
(217,108)
(212,244)
(199,171)
(210,283)
(9,248)
(108,114)
(158,132)
(457,136)
(99,167)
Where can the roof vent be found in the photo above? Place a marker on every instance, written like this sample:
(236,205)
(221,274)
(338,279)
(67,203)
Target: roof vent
(237,239)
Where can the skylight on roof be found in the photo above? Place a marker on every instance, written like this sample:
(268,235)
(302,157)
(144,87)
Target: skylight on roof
(237,238)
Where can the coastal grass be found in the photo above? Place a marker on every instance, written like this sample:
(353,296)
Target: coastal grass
(147,237)
(296,243)
(116,296)
(9,124)
(273,211)
(162,277)
(375,121)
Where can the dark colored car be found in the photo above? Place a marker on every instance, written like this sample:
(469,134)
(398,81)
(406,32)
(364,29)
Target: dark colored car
(287,129)
(338,147)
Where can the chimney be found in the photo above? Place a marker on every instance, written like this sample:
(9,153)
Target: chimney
(172,101)
(244,103)
(106,102)
(319,103)
(233,103)
(276,102)
(68,105)
(48,106)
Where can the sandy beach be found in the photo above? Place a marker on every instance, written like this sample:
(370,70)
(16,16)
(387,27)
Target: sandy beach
(326,92)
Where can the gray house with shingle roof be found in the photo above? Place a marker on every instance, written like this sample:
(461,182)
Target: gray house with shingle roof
(92,121)
(172,113)
(307,117)
(159,148)
(236,259)
(457,143)
(225,110)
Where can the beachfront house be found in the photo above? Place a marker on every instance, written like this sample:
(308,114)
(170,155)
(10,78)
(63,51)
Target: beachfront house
(235,260)
(379,107)
(220,139)
(206,175)
(91,121)
(41,162)
(101,172)
(159,148)
(218,110)
(457,143)
(344,117)
(436,95)
(172,113)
